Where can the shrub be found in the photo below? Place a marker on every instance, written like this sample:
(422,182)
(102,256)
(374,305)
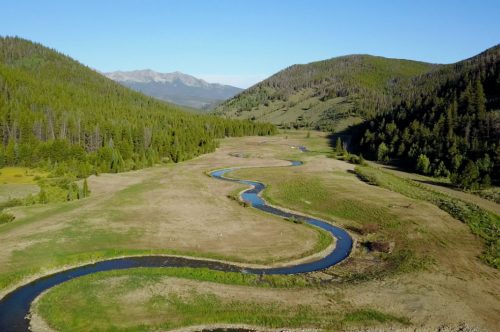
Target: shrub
(369,228)
(10,203)
(441,170)
(6,218)
(380,246)
(423,164)
(353,159)
(467,176)
(383,153)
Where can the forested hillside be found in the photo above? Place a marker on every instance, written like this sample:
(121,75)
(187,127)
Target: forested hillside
(442,120)
(327,95)
(448,123)
(57,113)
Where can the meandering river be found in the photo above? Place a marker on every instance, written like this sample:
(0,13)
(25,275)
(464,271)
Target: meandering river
(15,306)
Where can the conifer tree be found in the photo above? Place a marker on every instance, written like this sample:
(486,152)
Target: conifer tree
(42,196)
(339,148)
(85,190)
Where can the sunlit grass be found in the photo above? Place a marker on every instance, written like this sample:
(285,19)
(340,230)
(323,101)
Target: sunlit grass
(20,175)
(481,222)
(133,300)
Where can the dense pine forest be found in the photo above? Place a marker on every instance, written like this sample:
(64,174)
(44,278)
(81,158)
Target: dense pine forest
(58,114)
(447,124)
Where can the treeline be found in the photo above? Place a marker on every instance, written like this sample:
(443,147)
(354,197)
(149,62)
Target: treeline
(59,114)
(447,125)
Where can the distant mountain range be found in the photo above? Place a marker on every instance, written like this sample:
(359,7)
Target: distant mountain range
(176,87)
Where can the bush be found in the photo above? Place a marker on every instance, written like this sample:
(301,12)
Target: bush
(10,203)
(423,164)
(380,246)
(353,159)
(441,170)
(467,176)
(369,228)
(383,153)
(6,218)
(339,147)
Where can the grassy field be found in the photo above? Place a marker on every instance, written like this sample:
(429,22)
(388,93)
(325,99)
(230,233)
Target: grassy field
(491,194)
(18,182)
(430,275)
(487,199)
(162,210)
(153,300)
(483,223)
(9,191)
(20,175)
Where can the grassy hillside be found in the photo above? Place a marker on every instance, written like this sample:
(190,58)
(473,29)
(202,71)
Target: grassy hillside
(329,95)
(448,124)
(55,111)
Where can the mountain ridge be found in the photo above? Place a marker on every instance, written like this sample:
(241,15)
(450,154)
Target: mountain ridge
(328,94)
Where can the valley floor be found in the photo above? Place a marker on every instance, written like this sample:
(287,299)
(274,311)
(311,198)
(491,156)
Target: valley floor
(432,278)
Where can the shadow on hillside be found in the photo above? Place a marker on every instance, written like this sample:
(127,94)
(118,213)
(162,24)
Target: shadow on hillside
(437,183)
(345,139)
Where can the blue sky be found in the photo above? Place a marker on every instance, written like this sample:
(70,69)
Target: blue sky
(241,42)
